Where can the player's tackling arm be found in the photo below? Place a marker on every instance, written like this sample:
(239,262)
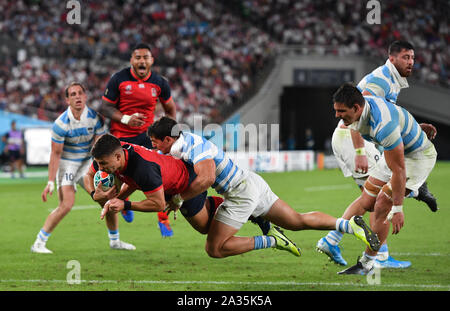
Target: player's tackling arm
(206,175)
(396,162)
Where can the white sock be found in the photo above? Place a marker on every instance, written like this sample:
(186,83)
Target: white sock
(342,225)
(264,241)
(43,236)
(334,237)
(367,261)
(383,253)
(113,235)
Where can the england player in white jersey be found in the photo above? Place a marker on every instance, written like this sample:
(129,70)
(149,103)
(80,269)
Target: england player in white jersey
(245,194)
(409,157)
(73,134)
(345,154)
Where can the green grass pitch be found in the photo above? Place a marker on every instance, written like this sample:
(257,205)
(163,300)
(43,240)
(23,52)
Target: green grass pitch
(180,263)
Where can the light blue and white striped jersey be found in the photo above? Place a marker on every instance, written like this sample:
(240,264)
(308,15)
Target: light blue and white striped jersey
(77,135)
(193,148)
(385,81)
(388,125)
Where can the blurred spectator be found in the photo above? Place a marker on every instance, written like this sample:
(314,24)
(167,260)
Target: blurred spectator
(15,149)
(211,51)
(208,54)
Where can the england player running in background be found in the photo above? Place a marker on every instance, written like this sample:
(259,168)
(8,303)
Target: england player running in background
(385,81)
(130,99)
(245,194)
(73,134)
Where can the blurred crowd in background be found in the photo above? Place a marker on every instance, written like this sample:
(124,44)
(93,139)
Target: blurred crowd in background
(212,52)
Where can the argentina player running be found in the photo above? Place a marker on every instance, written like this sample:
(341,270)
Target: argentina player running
(245,194)
(385,81)
(409,158)
(73,134)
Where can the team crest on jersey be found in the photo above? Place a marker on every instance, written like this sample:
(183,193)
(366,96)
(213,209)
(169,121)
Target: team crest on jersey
(128,89)
(154,93)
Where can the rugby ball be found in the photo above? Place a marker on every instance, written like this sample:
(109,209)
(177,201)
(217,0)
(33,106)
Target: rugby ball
(106,179)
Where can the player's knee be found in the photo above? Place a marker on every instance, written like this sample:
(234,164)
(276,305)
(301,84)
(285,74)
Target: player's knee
(384,200)
(371,189)
(213,251)
(203,230)
(65,207)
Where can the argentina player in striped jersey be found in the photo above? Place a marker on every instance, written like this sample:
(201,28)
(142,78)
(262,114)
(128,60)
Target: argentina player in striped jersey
(245,194)
(73,134)
(409,157)
(385,81)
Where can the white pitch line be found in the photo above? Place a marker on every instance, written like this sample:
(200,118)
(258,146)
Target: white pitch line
(328,187)
(442,286)
(80,207)
(421,254)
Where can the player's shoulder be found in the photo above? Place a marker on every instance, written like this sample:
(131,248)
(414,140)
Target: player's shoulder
(157,78)
(122,75)
(63,119)
(91,113)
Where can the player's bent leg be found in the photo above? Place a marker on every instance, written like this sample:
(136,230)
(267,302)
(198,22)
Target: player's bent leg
(200,222)
(221,241)
(380,226)
(200,210)
(67,200)
(66,196)
(281,214)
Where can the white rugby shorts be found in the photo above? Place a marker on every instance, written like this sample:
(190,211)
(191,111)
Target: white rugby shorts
(252,197)
(71,172)
(418,166)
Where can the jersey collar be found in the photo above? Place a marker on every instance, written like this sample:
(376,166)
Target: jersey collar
(402,82)
(82,115)
(137,78)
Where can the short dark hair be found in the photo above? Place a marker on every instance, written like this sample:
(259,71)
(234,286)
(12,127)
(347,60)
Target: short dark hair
(349,95)
(66,91)
(397,46)
(139,46)
(105,146)
(162,128)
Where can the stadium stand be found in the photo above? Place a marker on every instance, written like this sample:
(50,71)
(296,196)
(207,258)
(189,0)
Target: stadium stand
(213,53)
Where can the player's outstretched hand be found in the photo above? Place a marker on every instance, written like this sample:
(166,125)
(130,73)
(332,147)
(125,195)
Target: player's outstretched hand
(114,205)
(429,129)
(48,190)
